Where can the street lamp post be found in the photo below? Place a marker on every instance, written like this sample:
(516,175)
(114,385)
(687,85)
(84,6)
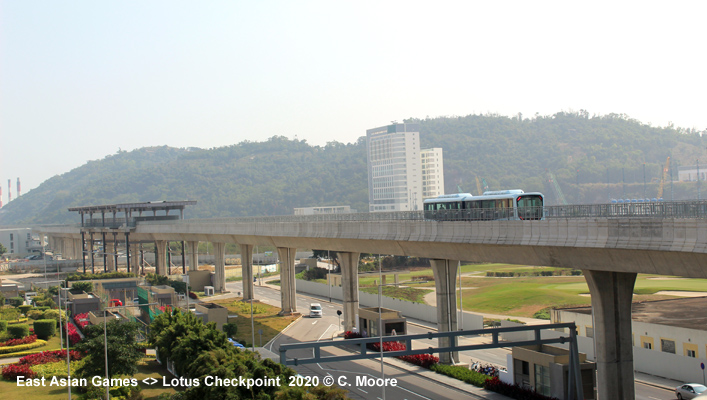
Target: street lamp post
(380,319)
(105,348)
(252,324)
(68,358)
(328,273)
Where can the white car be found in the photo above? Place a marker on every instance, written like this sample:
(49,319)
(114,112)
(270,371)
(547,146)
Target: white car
(315,310)
(690,391)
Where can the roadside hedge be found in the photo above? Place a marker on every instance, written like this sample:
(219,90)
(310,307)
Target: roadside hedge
(22,347)
(44,328)
(18,331)
(3,326)
(462,373)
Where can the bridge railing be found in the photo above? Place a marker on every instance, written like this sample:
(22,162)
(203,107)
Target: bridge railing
(691,209)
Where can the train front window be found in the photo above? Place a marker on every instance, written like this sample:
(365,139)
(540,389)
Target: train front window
(530,201)
(530,207)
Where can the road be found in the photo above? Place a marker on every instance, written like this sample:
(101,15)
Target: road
(410,386)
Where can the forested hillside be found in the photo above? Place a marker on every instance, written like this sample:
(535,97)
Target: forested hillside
(272,177)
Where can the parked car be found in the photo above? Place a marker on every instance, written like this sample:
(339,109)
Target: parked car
(115,303)
(315,310)
(690,391)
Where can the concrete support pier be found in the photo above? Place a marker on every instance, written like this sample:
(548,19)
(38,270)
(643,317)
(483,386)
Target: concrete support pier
(247,271)
(612,293)
(161,267)
(349,285)
(287,280)
(445,273)
(109,250)
(219,267)
(193,256)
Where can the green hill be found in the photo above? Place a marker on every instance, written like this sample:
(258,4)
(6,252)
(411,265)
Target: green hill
(273,177)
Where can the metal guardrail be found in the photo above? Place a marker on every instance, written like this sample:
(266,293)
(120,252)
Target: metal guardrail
(692,209)
(653,210)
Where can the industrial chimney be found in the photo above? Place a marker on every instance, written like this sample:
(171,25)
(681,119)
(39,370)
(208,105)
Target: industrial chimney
(19,191)
(9,190)
(0,196)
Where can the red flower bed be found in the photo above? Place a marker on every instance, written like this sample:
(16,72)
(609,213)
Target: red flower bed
(12,371)
(352,335)
(423,360)
(24,340)
(74,336)
(82,320)
(49,357)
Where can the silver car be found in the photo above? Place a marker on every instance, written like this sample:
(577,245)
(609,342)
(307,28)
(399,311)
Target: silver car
(690,391)
(315,310)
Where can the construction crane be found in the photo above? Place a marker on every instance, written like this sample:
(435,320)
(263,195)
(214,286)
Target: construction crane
(556,188)
(481,186)
(663,178)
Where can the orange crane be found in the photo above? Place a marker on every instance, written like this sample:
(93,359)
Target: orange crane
(663,178)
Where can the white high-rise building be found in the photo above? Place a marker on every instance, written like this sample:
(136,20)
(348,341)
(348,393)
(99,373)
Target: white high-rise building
(432,172)
(394,168)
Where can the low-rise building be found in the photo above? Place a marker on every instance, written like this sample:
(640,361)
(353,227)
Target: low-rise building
(669,336)
(546,369)
(211,312)
(393,321)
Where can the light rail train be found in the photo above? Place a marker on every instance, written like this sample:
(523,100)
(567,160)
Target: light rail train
(493,205)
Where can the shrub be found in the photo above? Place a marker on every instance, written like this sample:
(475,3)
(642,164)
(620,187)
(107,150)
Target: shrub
(35,314)
(462,373)
(18,331)
(54,314)
(514,391)
(24,308)
(16,342)
(85,286)
(15,301)
(542,314)
(74,336)
(12,371)
(22,347)
(193,295)
(9,314)
(42,308)
(48,370)
(49,357)
(231,329)
(45,328)
(3,326)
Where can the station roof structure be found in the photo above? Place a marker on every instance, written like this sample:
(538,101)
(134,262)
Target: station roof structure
(147,206)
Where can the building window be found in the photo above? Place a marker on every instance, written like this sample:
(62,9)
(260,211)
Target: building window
(648,345)
(691,353)
(542,379)
(667,346)
(590,332)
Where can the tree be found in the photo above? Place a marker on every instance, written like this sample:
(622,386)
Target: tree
(85,286)
(3,250)
(123,350)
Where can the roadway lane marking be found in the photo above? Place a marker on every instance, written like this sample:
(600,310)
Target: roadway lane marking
(362,390)
(314,322)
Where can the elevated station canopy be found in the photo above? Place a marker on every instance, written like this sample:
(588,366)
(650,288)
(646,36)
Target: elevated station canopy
(131,213)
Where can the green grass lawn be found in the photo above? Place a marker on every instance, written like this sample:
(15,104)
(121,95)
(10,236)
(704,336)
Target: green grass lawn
(403,293)
(266,319)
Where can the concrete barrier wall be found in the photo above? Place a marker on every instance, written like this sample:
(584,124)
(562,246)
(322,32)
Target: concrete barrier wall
(409,309)
(667,365)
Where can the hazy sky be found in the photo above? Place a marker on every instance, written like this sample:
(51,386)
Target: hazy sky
(81,79)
